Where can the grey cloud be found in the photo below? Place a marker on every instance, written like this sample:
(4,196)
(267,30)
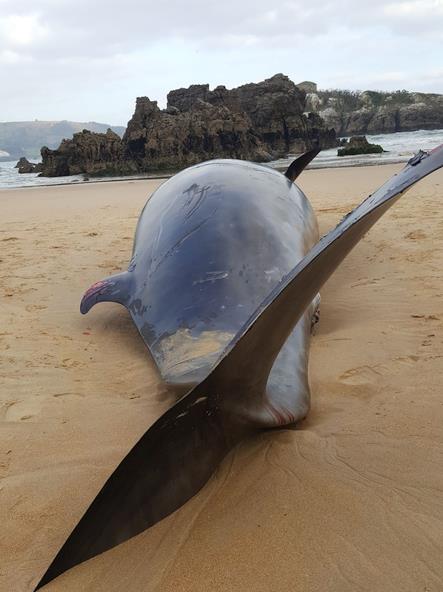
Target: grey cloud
(104,27)
(92,57)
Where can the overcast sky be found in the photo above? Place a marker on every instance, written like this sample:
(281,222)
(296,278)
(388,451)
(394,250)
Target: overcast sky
(88,59)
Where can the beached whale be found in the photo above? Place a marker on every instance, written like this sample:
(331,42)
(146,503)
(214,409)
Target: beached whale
(223,287)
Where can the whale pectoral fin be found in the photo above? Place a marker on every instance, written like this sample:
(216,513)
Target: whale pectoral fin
(168,465)
(116,288)
(247,360)
(300,163)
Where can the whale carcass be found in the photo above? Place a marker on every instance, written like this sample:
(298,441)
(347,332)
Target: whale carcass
(223,287)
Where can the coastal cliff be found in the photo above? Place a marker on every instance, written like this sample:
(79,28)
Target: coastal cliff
(371,112)
(258,122)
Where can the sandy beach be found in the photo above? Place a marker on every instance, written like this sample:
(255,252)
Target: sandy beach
(350,501)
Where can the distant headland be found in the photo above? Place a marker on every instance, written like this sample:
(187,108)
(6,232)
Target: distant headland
(25,138)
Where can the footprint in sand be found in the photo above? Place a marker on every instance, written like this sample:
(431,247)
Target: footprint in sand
(109,266)
(70,363)
(416,235)
(5,408)
(14,411)
(431,317)
(58,395)
(367,282)
(381,246)
(34,307)
(409,360)
(41,361)
(421,257)
(363,375)
(359,376)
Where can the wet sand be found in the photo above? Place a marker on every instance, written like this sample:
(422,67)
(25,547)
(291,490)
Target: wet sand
(350,501)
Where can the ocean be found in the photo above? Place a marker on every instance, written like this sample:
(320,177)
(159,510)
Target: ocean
(399,147)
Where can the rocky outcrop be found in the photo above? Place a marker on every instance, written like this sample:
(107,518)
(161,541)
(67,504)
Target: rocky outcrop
(86,152)
(371,112)
(171,139)
(25,167)
(358,145)
(256,122)
(274,107)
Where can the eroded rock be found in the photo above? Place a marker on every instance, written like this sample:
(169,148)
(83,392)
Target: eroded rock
(25,167)
(256,122)
(358,145)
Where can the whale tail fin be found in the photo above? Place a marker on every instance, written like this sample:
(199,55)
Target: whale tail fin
(178,454)
(115,288)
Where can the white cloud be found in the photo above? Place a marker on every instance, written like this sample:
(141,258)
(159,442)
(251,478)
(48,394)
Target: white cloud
(416,8)
(18,30)
(89,59)
(9,57)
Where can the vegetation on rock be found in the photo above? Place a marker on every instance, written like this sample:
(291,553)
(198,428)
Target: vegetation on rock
(358,145)
(373,112)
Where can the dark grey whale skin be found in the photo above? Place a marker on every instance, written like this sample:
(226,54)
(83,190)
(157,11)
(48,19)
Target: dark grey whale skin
(256,379)
(210,245)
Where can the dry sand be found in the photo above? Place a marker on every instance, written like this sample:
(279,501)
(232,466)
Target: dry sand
(351,501)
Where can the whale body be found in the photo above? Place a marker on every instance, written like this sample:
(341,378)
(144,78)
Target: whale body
(223,287)
(210,245)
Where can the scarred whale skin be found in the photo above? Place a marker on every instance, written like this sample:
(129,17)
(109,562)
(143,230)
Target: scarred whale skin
(209,246)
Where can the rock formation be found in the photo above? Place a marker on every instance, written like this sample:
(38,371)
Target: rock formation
(307,86)
(358,145)
(274,107)
(86,152)
(175,138)
(258,122)
(24,166)
(371,112)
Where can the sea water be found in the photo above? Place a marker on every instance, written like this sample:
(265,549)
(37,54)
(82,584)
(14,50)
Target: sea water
(399,147)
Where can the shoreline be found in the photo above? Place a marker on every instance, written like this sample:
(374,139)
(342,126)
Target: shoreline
(398,147)
(95,180)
